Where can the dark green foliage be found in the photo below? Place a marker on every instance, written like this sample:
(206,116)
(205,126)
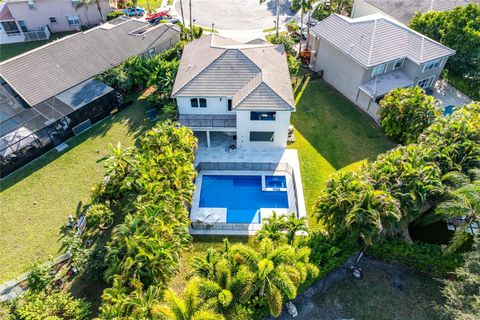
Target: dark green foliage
(99,214)
(406,112)
(420,256)
(321,12)
(469,86)
(114,14)
(166,106)
(463,295)
(458,29)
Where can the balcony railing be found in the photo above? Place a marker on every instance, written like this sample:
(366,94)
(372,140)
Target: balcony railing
(208,120)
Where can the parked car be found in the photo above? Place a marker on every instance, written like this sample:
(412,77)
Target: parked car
(132,12)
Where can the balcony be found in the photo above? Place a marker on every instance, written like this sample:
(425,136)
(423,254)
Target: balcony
(208,120)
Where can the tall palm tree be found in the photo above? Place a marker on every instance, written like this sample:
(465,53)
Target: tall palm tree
(277,274)
(181,12)
(87,3)
(277,14)
(305,6)
(190,16)
(187,306)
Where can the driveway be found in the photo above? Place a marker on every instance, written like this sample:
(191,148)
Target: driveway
(235,14)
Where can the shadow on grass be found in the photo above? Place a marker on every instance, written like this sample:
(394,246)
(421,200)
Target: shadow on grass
(133,116)
(337,130)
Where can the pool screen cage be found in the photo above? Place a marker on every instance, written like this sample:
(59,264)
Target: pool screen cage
(27,132)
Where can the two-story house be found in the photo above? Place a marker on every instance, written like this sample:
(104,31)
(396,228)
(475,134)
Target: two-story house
(22,18)
(367,57)
(240,92)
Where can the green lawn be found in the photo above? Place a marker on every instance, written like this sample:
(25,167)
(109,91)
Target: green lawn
(36,200)
(153,4)
(13,49)
(331,134)
(382,294)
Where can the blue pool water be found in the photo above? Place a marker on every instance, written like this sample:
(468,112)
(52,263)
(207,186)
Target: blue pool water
(241,195)
(275,182)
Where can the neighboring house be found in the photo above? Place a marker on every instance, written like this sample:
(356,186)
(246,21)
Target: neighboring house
(367,57)
(403,10)
(47,94)
(243,91)
(22,18)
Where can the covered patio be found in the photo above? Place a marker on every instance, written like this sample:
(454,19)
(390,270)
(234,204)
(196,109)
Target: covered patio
(215,139)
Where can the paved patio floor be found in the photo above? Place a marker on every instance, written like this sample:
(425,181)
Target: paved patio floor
(447,95)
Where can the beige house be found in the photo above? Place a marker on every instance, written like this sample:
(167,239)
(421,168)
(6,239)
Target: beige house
(367,57)
(20,18)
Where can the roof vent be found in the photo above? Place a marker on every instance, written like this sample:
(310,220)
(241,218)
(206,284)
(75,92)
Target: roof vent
(351,48)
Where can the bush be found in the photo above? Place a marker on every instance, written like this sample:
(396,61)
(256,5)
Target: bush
(420,256)
(39,278)
(287,42)
(293,64)
(55,306)
(99,214)
(114,14)
(197,31)
(166,106)
(406,112)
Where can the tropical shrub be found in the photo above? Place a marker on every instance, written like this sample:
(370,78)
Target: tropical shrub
(406,112)
(114,14)
(455,140)
(287,42)
(54,306)
(293,64)
(417,255)
(351,208)
(281,228)
(154,181)
(244,282)
(463,295)
(99,214)
(38,278)
(292,26)
(197,32)
(166,106)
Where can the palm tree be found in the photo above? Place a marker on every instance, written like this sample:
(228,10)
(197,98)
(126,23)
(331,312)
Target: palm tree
(187,306)
(272,228)
(277,13)
(462,202)
(181,11)
(277,274)
(294,225)
(87,3)
(190,16)
(304,6)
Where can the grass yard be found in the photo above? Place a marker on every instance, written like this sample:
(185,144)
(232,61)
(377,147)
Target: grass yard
(331,134)
(14,49)
(382,294)
(153,4)
(36,199)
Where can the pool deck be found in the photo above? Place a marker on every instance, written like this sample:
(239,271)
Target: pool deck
(256,157)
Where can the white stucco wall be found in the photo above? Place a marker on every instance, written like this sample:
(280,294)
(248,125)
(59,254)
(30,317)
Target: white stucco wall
(279,126)
(215,105)
(39,17)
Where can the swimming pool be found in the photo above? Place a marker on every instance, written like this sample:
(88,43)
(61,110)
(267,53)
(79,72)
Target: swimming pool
(275,182)
(241,195)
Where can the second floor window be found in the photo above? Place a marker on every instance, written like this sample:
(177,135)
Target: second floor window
(73,20)
(378,70)
(262,116)
(195,102)
(53,20)
(432,64)
(229,104)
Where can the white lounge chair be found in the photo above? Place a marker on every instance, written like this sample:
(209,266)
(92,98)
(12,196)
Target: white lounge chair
(203,216)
